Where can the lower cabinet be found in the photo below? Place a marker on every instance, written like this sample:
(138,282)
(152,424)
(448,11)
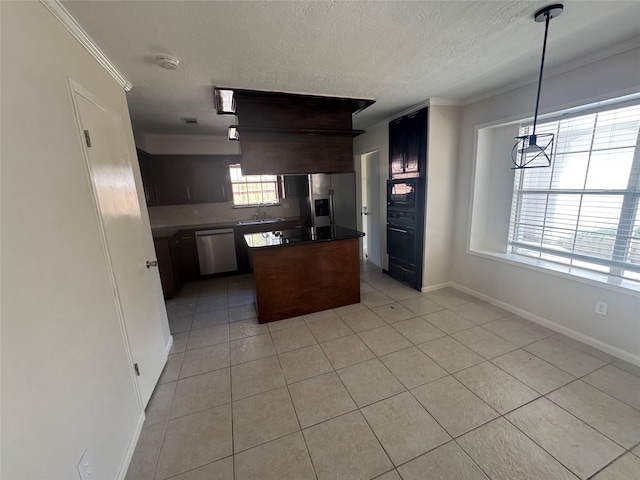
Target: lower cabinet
(403,272)
(166,268)
(178,255)
(177,261)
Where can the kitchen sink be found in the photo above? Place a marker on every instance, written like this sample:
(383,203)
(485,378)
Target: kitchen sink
(260,221)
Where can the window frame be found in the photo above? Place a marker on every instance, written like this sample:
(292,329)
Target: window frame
(276,182)
(629,210)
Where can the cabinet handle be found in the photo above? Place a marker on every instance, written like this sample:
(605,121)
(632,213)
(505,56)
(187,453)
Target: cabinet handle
(397,230)
(153,263)
(188,193)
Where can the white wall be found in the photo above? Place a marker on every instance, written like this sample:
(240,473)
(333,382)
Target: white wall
(377,139)
(187,144)
(66,382)
(565,301)
(442,144)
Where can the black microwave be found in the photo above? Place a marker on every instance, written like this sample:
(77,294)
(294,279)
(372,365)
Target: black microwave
(403,192)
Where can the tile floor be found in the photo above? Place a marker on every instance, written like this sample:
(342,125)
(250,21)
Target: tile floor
(401,386)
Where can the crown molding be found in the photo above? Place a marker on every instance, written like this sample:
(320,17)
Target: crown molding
(61,13)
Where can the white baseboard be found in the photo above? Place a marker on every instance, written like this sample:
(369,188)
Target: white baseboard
(126,461)
(167,349)
(592,342)
(437,286)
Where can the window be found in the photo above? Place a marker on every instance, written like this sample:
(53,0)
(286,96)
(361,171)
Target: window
(584,210)
(253,190)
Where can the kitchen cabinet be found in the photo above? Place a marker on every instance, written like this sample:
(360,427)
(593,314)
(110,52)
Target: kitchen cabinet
(186,255)
(408,145)
(296,185)
(177,261)
(146,172)
(185,179)
(209,181)
(169,278)
(171,179)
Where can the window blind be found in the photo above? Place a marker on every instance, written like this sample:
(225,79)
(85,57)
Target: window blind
(583,211)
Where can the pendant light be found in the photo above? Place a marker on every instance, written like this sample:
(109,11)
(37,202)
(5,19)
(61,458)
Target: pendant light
(534,150)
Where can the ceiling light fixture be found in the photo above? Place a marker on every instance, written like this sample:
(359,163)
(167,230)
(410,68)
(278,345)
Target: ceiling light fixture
(533,151)
(168,62)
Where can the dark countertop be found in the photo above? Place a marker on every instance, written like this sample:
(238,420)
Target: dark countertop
(169,231)
(298,236)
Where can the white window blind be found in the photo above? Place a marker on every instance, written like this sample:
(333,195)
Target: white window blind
(252,189)
(583,211)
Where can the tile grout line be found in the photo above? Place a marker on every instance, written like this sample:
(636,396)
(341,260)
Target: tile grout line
(413,345)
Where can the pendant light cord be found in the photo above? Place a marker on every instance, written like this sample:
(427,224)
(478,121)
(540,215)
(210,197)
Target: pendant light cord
(544,50)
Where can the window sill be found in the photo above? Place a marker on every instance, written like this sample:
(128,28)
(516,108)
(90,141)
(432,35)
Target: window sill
(616,284)
(256,205)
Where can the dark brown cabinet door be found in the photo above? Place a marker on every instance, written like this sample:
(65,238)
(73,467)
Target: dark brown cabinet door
(187,255)
(171,179)
(146,172)
(295,185)
(208,181)
(415,141)
(396,147)
(408,145)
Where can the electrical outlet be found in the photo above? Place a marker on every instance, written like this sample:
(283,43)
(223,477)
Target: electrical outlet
(84,467)
(601,308)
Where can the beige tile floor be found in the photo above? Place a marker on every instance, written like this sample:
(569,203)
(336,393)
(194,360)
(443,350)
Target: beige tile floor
(401,386)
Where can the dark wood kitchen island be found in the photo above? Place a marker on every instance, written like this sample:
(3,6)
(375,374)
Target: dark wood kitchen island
(304,270)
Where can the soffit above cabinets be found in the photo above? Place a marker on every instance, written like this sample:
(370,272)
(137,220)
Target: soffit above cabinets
(285,133)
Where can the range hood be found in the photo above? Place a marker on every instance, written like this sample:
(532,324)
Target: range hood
(286,133)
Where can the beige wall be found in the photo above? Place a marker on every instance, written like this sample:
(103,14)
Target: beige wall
(377,139)
(562,302)
(203,213)
(187,144)
(442,144)
(66,380)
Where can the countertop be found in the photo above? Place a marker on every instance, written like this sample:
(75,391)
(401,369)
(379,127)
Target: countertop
(298,236)
(167,231)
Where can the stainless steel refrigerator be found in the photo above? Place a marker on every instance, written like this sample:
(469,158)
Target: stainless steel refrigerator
(332,199)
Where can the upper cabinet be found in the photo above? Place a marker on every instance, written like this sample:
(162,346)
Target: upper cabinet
(185,179)
(146,171)
(209,181)
(408,145)
(284,133)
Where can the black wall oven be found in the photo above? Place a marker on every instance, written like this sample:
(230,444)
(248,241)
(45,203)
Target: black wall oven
(405,223)
(403,193)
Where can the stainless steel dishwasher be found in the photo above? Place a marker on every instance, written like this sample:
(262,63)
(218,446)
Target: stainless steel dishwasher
(216,251)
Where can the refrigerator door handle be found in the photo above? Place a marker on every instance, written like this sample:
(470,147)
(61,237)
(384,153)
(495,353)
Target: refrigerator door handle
(332,212)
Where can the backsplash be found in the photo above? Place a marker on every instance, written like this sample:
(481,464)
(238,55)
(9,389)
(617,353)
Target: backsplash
(174,215)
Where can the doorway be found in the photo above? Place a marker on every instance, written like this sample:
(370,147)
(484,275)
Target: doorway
(370,210)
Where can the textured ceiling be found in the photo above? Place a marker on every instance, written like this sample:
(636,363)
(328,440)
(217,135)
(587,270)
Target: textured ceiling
(397,53)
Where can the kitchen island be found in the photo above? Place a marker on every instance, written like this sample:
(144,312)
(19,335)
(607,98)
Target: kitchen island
(304,270)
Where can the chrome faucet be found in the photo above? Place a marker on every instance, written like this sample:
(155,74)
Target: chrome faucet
(260,214)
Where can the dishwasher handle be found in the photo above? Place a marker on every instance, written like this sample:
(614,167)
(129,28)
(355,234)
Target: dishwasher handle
(208,233)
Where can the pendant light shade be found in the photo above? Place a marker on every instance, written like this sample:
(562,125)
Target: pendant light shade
(535,150)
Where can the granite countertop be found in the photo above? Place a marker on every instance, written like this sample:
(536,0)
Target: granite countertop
(166,231)
(298,236)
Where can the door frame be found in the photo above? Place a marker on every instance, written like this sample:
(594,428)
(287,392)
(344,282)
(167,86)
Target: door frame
(358,159)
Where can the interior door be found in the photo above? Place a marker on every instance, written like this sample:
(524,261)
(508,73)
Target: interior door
(128,245)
